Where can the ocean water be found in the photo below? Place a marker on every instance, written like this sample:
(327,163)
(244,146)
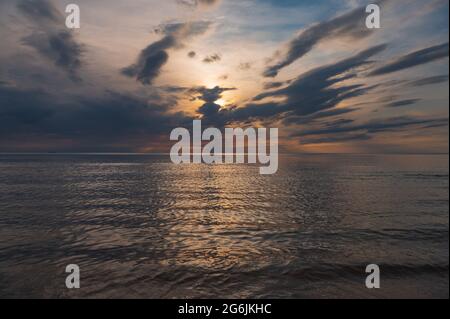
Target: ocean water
(141,227)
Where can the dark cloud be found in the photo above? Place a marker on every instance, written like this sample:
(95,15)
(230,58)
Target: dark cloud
(21,109)
(209,109)
(429,81)
(50,37)
(155,56)
(99,121)
(209,97)
(403,103)
(351,24)
(150,61)
(192,54)
(339,122)
(61,48)
(212,58)
(375,126)
(414,59)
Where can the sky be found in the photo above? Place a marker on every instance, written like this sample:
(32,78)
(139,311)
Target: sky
(136,70)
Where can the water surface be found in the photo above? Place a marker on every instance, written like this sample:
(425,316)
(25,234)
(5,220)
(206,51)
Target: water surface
(141,227)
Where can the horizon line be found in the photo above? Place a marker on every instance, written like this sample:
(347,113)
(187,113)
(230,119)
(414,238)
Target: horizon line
(223,154)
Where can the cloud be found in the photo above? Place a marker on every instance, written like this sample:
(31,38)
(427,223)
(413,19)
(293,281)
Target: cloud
(429,81)
(209,97)
(99,122)
(326,104)
(319,115)
(319,90)
(403,103)
(339,122)
(150,61)
(208,2)
(22,109)
(351,25)
(50,38)
(414,59)
(274,85)
(42,10)
(198,3)
(245,66)
(313,91)
(155,56)
(61,48)
(212,58)
(375,126)
(209,109)
(336,139)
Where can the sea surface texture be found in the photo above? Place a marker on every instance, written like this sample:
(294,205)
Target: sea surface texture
(141,227)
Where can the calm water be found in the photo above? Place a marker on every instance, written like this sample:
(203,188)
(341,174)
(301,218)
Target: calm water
(139,226)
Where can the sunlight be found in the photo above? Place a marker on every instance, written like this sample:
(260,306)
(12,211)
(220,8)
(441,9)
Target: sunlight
(221,102)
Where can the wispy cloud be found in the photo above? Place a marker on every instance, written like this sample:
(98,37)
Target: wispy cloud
(429,80)
(198,3)
(317,89)
(341,132)
(414,59)
(403,103)
(351,25)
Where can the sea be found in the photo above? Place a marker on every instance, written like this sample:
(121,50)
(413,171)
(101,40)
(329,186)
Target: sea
(139,226)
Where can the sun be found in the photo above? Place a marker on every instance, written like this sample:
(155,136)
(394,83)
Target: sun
(221,102)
